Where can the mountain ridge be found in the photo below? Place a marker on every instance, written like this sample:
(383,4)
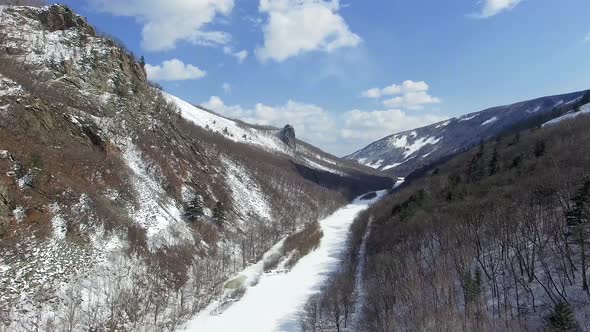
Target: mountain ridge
(402,153)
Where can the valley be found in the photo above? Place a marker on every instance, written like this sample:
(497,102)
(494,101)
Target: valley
(125,206)
(276,299)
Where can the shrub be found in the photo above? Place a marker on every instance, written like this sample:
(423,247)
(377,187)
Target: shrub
(562,318)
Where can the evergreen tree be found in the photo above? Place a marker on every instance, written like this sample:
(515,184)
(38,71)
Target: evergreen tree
(142,61)
(494,163)
(516,139)
(195,209)
(539,149)
(581,202)
(481,150)
(472,168)
(219,213)
(562,318)
(581,216)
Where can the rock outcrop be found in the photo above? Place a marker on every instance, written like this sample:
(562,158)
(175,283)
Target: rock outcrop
(287,136)
(59,17)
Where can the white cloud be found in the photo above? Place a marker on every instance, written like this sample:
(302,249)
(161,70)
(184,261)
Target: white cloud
(372,93)
(587,38)
(167,22)
(295,27)
(339,134)
(240,55)
(412,100)
(368,126)
(311,122)
(226,87)
(409,95)
(173,70)
(394,89)
(494,7)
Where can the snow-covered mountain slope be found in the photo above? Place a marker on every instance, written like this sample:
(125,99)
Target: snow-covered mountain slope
(280,141)
(402,153)
(237,132)
(112,191)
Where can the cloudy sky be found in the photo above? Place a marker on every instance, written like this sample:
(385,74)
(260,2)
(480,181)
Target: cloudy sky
(348,72)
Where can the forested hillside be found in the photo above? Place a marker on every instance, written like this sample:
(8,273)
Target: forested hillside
(496,238)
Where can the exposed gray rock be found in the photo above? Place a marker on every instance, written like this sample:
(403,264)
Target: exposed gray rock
(60,17)
(287,136)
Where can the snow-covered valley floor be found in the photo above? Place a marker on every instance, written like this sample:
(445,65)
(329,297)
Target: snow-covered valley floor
(275,302)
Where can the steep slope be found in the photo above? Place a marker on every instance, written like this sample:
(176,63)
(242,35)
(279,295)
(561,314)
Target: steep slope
(495,238)
(123,207)
(402,153)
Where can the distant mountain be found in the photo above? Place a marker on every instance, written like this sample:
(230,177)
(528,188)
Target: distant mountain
(402,153)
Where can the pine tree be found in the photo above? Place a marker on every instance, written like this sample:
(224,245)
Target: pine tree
(195,209)
(539,149)
(581,216)
(562,318)
(472,168)
(219,213)
(494,163)
(516,139)
(581,202)
(481,150)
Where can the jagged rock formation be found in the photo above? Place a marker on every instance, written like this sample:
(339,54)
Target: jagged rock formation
(287,136)
(62,18)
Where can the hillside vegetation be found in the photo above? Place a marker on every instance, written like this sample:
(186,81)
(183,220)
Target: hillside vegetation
(123,207)
(496,238)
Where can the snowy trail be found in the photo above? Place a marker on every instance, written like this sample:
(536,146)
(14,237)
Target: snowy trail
(275,302)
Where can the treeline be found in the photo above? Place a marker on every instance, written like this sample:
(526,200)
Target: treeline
(494,239)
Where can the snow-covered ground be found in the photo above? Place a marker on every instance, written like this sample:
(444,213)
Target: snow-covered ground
(229,128)
(275,302)
(585,109)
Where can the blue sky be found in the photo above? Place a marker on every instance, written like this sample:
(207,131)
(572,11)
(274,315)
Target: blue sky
(348,72)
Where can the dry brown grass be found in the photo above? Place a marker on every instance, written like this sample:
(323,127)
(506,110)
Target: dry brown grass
(302,243)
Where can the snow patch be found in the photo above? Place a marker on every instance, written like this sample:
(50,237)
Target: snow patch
(391,166)
(468,117)
(19,214)
(246,194)
(490,121)
(8,88)
(154,211)
(419,144)
(585,109)
(575,100)
(538,108)
(399,141)
(443,124)
(59,226)
(375,164)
